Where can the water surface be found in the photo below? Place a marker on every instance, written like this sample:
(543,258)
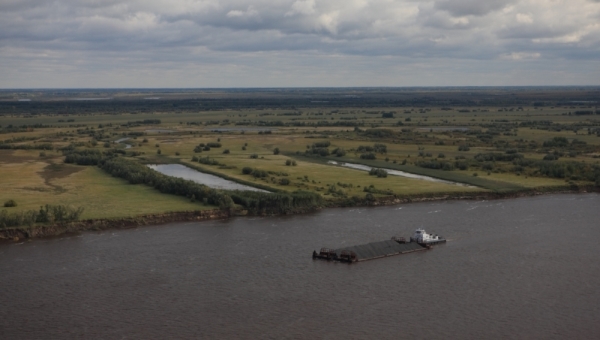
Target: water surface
(512,269)
(182,171)
(398,173)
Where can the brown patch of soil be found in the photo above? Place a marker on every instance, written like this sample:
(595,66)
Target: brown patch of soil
(56,171)
(9,156)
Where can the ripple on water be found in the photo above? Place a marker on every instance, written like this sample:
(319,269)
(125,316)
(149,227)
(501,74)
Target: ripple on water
(501,275)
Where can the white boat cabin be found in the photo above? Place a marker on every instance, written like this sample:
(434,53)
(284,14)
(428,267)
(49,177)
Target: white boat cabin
(420,236)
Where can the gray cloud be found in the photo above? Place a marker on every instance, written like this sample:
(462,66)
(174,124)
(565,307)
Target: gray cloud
(119,37)
(471,7)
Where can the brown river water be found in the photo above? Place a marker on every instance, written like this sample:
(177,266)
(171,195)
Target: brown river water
(526,268)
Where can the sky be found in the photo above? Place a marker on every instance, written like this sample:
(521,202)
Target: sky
(298,43)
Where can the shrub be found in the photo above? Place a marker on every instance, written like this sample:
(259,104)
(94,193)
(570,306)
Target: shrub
(247,170)
(288,162)
(158,152)
(464,148)
(378,172)
(259,173)
(284,181)
(368,155)
(339,152)
(226,151)
(254,156)
(276,151)
(10,204)
(441,155)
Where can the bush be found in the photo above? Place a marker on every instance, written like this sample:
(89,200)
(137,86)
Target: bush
(339,152)
(259,173)
(284,181)
(378,172)
(226,151)
(254,156)
(276,151)
(288,162)
(464,148)
(368,155)
(247,170)
(158,152)
(10,204)
(213,145)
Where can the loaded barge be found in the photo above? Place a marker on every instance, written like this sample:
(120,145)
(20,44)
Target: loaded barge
(397,245)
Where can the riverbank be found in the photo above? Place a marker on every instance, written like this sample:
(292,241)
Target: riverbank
(51,230)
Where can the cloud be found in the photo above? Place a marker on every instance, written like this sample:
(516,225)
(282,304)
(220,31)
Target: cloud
(174,34)
(471,7)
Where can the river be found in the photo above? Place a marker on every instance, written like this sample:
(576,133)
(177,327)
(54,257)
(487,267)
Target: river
(521,269)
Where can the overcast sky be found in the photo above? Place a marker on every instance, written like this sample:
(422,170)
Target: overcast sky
(273,43)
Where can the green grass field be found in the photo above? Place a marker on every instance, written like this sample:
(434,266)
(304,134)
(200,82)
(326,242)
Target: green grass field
(416,135)
(33,183)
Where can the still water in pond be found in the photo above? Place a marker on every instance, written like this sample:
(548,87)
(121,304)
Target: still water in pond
(524,268)
(182,171)
(398,173)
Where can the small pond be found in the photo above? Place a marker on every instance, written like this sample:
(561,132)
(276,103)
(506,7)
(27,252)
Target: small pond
(398,173)
(182,171)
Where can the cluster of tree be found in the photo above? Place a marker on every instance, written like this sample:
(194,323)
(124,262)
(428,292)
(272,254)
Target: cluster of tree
(570,170)
(41,146)
(435,164)
(136,173)
(498,157)
(380,148)
(319,148)
(83,157)
(143,122)
(368,155)
(556,142)
(255,172)
(205,160)
(277,203)
(379,133)
(371,189)
(378,172)
(46,214)
(339,152)
(585,112)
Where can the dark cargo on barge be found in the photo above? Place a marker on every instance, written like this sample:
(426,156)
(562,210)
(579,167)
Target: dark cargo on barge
(418,242)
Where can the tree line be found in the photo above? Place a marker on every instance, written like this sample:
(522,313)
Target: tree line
(137,173)
(46,214)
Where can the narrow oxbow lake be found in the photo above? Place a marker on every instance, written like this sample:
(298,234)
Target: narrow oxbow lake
(182,171)
(524,268)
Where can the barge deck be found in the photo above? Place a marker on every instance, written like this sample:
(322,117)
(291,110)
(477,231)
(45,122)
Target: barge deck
(375,250)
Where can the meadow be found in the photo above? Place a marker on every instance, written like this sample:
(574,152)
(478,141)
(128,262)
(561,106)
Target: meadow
(534,140)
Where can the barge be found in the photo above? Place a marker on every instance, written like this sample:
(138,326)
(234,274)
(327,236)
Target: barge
(420,241)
